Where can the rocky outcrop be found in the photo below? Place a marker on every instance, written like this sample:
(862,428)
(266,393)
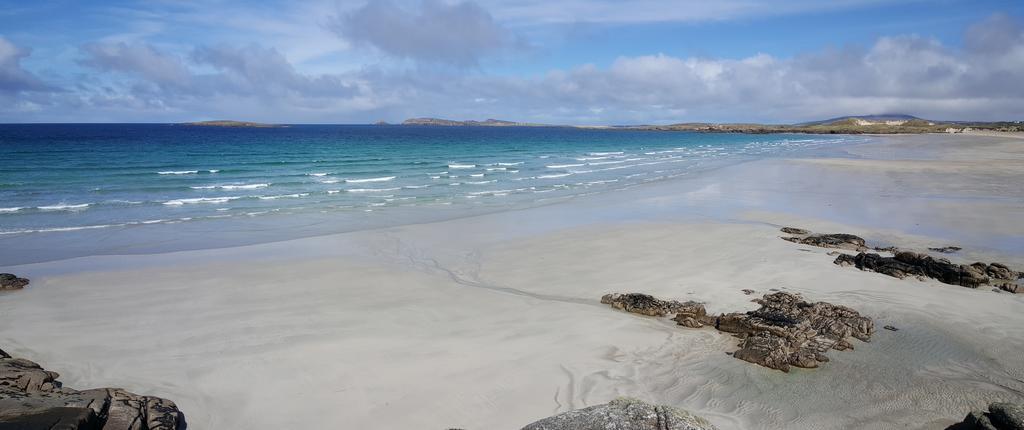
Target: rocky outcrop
(1000,416)
(834,240)
(946,249)
(645,304)
(794,230)
(905,263)
(32,398)
(624,414)
(785,331)
(11,282)
(788,331)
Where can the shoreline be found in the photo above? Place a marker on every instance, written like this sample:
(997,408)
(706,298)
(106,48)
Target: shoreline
(490,321)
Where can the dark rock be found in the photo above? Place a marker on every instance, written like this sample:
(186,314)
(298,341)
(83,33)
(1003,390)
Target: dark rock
(785,331)
(748,291)
(11,282)
(32,398)
(946,249)
(794,230)
(58,418)
(891,249)
(1006,416)
(891,328)
(765,349)
(648,305)
(624,414)
(905,264)
(837,240)
(1000,416)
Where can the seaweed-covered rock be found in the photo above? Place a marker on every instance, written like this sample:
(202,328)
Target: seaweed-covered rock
(10,282)
(32,398)
(645,304)
(788,331)
(785,331)
(904,264)
(624,414)
(834,240)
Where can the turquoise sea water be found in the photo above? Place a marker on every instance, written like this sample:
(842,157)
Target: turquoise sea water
(60,179)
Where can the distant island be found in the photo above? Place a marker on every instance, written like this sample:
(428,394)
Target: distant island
(862,124)
(469,123)
(230,123)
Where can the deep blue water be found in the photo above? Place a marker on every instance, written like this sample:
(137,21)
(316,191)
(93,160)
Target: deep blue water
(60,178)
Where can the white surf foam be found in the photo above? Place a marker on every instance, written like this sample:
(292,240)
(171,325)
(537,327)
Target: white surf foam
(560,175)
(372,190)
(63,207)
(9,210)
(380,179)
(211,200)
(461,166)
(231,187)
(562,166)
(283,196)
(178,172)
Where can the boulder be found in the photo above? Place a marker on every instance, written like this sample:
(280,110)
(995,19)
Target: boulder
(999,416)
(624,414)
(32,398)
(11,282)
(794,230)
(946,249)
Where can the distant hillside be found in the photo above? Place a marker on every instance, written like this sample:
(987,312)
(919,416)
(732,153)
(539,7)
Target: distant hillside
(881,118)
(230,123)
(469,123)
(862,124)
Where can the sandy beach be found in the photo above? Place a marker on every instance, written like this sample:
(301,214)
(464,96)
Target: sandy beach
(494,321)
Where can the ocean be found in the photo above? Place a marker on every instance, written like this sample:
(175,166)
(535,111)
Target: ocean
(79,189)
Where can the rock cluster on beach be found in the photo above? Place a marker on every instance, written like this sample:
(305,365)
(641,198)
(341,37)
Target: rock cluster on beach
(32,398)
(11,282)
(999,416)
(785,331)
(906,263)
(624,414)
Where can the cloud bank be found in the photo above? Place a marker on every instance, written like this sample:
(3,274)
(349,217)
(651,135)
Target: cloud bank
(458,33)
(900,73)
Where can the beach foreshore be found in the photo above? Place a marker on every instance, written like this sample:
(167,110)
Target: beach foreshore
(492,321)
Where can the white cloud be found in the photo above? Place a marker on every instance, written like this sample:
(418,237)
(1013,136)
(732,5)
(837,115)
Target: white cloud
(434,31)
(13,77)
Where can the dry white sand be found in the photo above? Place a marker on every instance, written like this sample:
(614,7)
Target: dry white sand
(492,322)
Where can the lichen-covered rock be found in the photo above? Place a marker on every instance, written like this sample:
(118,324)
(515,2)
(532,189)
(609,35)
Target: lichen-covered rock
(1000,416)
(32,398)
(623,414)
(646,305)
(10,282)
(904,264)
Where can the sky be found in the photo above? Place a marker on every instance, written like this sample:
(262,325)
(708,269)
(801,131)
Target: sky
(556,62)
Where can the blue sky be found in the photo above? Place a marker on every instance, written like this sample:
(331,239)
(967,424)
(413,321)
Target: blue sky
(572,61)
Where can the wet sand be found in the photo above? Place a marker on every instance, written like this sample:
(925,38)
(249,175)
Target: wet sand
(491,322)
